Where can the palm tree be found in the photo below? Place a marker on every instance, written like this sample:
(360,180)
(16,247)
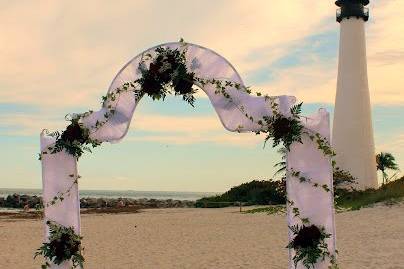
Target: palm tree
(386,161)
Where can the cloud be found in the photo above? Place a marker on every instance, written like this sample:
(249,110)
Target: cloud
(311,83)
(158,123)
(312,78)
(55,54)
(163,129)
(385,49)
(188,130)
(387,57)
(392,144)
(28,124)
(184,138)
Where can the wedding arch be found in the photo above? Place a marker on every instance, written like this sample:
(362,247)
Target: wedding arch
(177,68)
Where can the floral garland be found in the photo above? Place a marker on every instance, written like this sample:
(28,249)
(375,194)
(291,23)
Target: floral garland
(64,244)
(166,74)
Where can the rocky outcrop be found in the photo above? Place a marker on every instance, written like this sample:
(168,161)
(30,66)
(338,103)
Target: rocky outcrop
(20,201)
(129,202)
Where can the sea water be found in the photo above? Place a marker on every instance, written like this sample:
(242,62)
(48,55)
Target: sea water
(161,195)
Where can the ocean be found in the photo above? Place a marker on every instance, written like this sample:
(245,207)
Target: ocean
(175,195)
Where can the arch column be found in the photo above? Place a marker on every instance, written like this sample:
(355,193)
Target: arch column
(313,203)
(59,171)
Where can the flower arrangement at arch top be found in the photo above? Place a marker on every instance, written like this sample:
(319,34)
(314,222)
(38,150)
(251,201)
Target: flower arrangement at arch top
(166,71)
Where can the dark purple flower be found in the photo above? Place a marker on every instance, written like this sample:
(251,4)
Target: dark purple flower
(282,126)
(308,236)
(74,132)
(184,85)
(150,84)
(63,248)
(183,80)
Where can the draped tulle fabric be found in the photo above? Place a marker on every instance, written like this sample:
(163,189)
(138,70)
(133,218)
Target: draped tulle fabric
(206,64)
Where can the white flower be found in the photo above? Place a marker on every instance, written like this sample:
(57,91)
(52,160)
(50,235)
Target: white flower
(141,68)
(195,64)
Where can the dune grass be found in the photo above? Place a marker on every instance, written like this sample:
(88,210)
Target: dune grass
(270,210)
(390,193)
(256,192)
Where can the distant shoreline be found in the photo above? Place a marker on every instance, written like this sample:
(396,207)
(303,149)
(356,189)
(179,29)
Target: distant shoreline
(26,202)
(115,194)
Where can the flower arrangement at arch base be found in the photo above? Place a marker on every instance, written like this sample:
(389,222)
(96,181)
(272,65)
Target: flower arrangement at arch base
(64,245)
(310,246)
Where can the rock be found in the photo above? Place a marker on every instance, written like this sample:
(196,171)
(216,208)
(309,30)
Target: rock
(21,201)
(13,201)
(187,203)
(34,201)
(142,201)
(88,202)
(121,203)
(112,202)
(177,203)
(152,203)
(101,202)
(129,202)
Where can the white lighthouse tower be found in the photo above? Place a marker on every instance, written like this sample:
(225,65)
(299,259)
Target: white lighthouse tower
(352,136)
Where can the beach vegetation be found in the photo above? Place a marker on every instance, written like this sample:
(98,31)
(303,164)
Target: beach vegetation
(270,210)
(256,192)
(390,193)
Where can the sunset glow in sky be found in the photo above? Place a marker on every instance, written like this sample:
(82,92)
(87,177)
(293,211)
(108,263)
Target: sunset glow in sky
(58,57)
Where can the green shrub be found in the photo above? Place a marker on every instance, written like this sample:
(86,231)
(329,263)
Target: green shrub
(354,199)
(270,192)
(256,192)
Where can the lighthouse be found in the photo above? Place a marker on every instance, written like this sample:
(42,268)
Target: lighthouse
(352,136)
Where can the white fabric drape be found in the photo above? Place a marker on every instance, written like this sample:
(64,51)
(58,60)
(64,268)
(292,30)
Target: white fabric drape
(58,173)
(313,202)
(206,64)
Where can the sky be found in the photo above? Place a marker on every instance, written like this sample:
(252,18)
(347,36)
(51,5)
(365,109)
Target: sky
(59,57)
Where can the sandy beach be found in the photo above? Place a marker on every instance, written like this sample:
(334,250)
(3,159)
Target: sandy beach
(371,238)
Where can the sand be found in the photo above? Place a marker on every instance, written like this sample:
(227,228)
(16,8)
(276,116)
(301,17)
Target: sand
(209,238)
